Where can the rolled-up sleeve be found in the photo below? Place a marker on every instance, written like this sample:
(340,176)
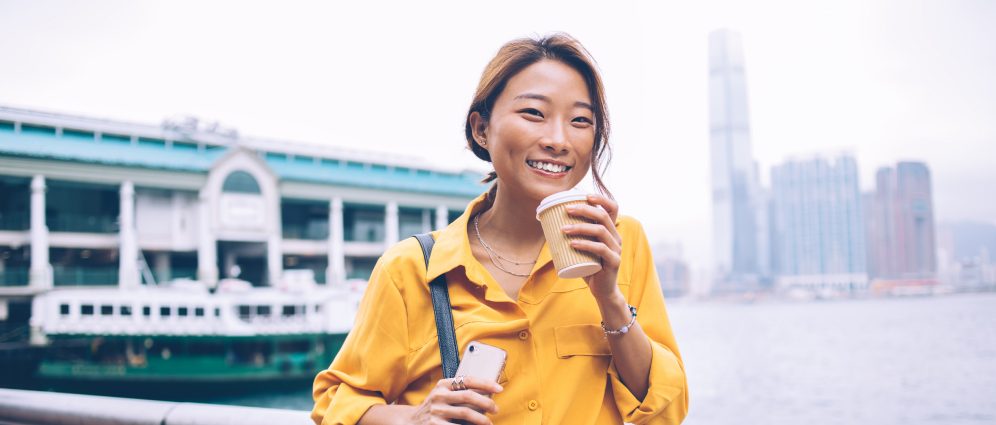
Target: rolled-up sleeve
(371,366)
(666,401)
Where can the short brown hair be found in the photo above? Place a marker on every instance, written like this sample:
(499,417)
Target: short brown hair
(518,54)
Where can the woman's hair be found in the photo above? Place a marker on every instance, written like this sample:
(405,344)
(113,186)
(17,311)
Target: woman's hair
(518,54)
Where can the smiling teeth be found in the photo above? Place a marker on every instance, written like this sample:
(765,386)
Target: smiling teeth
(546,166)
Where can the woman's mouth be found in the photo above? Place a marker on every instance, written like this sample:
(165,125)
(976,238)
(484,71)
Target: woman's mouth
(548,167)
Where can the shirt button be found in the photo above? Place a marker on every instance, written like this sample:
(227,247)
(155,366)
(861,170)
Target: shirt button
(533,405)
(523,335)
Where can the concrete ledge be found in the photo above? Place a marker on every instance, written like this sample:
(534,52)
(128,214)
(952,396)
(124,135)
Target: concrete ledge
(36,407)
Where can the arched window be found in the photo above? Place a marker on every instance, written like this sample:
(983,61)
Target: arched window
(240,182)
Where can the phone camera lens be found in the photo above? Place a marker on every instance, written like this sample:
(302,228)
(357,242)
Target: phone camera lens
(471,348)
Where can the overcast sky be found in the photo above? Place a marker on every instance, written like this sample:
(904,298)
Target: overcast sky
(886,80)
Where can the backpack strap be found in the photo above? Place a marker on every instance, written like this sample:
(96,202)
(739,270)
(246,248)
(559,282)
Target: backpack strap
(443,310)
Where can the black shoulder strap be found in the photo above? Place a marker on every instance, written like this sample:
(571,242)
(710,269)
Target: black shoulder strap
(444,315)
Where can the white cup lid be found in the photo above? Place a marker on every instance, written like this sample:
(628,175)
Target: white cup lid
(559,198)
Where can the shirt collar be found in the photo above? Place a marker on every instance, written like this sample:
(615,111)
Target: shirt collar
(452,248)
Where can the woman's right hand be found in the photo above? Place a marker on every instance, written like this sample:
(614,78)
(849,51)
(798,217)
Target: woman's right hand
(443,405)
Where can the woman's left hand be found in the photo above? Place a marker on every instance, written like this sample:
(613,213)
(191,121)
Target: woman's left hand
(604,242)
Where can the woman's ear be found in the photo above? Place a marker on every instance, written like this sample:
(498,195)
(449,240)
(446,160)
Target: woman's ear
(479,127)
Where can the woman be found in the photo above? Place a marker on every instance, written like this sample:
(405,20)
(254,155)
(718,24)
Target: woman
(539,116)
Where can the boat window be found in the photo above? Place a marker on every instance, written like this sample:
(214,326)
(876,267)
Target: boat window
(212,348)
(244,312)
(126,310)
(181,311)
(217,312)
(318,308)
(262,310)
(106,310)
(146,311)
(294,346)
(164,311)
(288,311)
(64,309)
(199,311)
(86,309)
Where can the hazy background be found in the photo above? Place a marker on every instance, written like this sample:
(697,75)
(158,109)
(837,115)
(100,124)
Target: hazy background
(887,80)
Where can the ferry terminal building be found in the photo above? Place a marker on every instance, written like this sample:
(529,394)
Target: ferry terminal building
(87,201)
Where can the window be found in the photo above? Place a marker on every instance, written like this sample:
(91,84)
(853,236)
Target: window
(126,310)
(106,310)
(240,182)
(288,311)
(199,311)
(146,311)
(64,309)
(86,309)
(181,311)
(164,311)
(244,312)
(217,312)
(262,310)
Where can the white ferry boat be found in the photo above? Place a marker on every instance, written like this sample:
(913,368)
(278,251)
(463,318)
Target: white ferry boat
(182,332)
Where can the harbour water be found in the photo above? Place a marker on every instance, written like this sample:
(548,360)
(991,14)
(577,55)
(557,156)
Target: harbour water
(875,361)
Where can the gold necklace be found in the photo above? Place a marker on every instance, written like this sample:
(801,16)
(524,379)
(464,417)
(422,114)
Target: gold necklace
(494,256)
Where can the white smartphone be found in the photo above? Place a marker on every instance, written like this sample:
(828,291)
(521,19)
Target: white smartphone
(481,360)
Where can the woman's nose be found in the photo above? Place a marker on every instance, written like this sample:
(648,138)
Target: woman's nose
(555,139)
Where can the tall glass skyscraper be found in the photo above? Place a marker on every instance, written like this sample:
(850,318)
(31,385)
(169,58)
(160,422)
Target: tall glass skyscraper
(901,223)
(819,226)
(739,230)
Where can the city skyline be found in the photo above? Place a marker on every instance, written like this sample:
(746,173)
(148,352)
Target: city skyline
(892,81)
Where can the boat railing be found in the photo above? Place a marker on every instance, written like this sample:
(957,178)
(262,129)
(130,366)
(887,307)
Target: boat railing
(24,407)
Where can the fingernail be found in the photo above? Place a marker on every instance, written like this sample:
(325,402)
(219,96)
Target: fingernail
(571,208)
(567,228)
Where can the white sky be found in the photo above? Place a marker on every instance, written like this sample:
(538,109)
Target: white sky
(887,80)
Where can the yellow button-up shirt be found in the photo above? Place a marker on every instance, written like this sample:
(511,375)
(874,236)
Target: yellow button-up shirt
(559,367)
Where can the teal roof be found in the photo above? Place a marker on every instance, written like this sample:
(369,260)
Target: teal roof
(82,147)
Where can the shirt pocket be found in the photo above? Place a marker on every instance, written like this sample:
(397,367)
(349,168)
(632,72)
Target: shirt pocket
(581,340)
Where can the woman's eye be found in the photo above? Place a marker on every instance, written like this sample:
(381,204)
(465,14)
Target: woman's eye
(531,111)
(585,120)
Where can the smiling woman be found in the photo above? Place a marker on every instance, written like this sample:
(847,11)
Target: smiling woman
(574,356)
(558,51)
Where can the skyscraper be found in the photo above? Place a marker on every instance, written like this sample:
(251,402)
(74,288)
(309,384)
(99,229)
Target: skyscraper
(818,223)
(737,236)
(901,228)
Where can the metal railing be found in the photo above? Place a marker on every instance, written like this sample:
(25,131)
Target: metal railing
(14,276)
(17,220)
(85,276)
(85,223)
(22,407)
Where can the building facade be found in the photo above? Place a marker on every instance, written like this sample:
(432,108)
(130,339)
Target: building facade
(818,225)
(901,236)
(88,201)
(739,223)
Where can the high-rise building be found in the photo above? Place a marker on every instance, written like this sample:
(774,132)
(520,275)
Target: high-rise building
(739,233)
(819,231)
(901,224)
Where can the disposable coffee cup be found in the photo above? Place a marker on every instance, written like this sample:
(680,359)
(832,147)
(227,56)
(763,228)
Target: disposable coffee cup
(552,214)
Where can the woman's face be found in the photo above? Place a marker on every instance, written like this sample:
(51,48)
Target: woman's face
(541,131)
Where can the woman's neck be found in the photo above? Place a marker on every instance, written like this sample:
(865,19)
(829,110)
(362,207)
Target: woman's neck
(510,226)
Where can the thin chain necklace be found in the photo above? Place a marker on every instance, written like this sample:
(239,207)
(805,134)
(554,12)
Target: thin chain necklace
(494,256)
